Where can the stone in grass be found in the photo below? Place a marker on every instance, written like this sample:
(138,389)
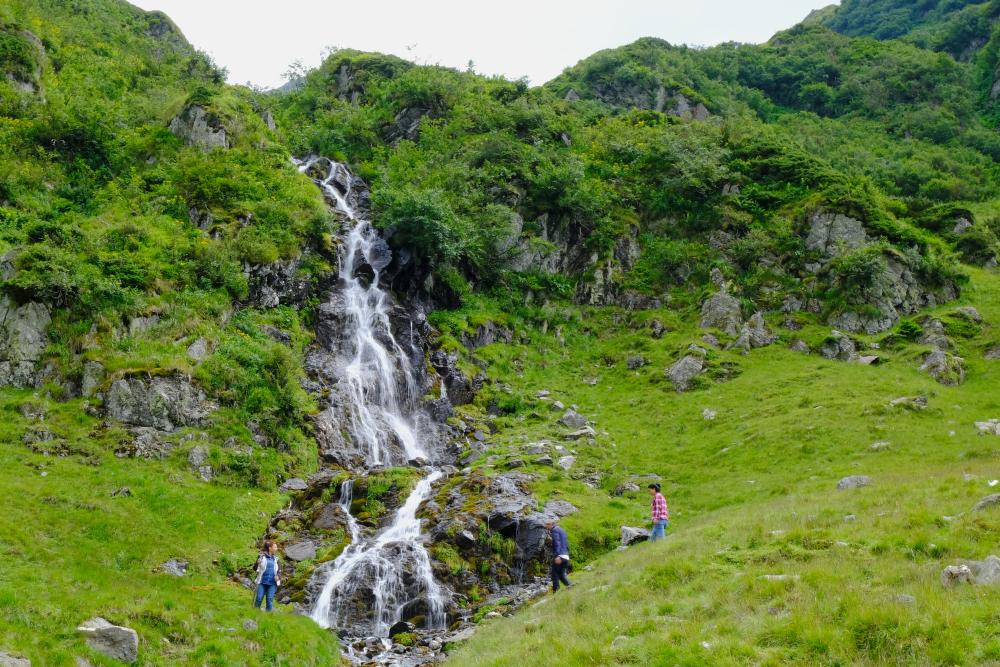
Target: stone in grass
(574,420)
(206,473)
(879,446)
(544,460)
(988,501)
(854,482)
(111,640)
(198,350)
(798,345)
(8,660)
(250,626)
(623,488)
(779,577)
(902,598)
(178,568)
(585,432)
(956,574)
(198,456)
(305,550)
(634,363)
(567,462)
(557,406)
(515,463)
(619,640)
(560,508)
(633,535)
(293,484)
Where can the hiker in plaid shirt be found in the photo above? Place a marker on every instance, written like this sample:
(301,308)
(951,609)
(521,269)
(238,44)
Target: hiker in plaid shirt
(661,517)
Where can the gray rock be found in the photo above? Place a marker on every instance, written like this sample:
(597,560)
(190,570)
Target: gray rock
(827,231)
(623,488)
(682,372)
(464,539)
(557,406)
(178,568)
(961,226)
(250,626)
(987,502)
(902,598)
(634,363)
(572,419)
(571,96)
(544,460)
(838,347)
(305,550)
(721,311)
(515,463)
(633,535)
(165,403)
(953,575)
(934,340)
(198,456)
(461,635)
(968,477)
(560,508)
(798,345)
(479,436)
(717,279)
(141,324)
(619,640)
(566,462)
(469,458)
(993,353)
(880,446)
(206,473)
(7,660)
(946,370)
(93,375)
(198,350)
(23,338)
(293,484)
(711,339)
(970,313)
(585,432)
(855,482)
(192,125)
(111,640)
(755,334)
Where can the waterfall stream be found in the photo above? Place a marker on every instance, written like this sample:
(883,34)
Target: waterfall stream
(391,570)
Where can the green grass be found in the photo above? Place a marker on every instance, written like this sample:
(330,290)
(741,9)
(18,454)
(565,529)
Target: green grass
(701,585)
(72,552)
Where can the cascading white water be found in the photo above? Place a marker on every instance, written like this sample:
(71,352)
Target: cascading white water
(392,569)
(371,564)
(382,390)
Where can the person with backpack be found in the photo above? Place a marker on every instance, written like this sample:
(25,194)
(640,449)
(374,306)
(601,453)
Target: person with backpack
(560,554)
(268,568)
(661,516)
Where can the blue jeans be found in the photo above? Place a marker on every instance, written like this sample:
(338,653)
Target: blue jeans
(559,574)
(270,590)
(658,529)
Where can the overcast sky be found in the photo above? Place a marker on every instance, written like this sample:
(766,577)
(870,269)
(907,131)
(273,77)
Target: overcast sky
(258,40)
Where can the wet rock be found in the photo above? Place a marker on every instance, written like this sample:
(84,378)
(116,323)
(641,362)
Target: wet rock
(401,627)
(572,419)
(854,482)
(196,127)
(682,372)
(305,550)
(178,568)
(111,640)
(633,535)
(292,485)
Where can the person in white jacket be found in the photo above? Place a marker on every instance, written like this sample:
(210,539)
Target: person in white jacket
(268,569)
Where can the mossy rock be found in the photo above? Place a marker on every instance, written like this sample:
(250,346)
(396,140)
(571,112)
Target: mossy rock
(298,597)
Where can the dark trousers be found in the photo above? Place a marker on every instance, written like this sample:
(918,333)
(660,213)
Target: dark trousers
(265,589)
(559,574)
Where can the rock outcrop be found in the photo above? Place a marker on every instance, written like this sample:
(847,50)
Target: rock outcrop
(111,640)
(163,403)
(196,127)
(755,334)
(684,371)
(722,311)
(8,660)
(23,338)
(944,368)
(854,482)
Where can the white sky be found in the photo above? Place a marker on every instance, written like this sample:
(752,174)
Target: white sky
(257,40)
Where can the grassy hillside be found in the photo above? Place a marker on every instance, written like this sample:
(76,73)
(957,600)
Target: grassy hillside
(752,492)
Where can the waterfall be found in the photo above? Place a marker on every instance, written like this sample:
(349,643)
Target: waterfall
(375,564)
(377,399)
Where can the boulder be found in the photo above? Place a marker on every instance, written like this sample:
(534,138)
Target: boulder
(961,226)
(469,458)
(305,550)
(8,660)
(838,347)
(560,508)
(250,625)
(585,432)
(988,501)
(855,482)
(682,372)
(465,539)
(195,127)
(111,640)
(515,463)
(557,407)
(635,362)
(946,370)
(798,345)
(633,535)
(566,462)
(93,375)
(953,575)
(178,568)
(293,484)
(721,311)
(198,350)
(544,460)
(400,628)
(623,488)
(572,419)
(755,334)
(969,312)
(985,572)
(198,456)
(23,338)
(829,231)
(164,403)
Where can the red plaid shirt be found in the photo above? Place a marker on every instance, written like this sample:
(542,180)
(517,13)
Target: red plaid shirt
(659,507)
